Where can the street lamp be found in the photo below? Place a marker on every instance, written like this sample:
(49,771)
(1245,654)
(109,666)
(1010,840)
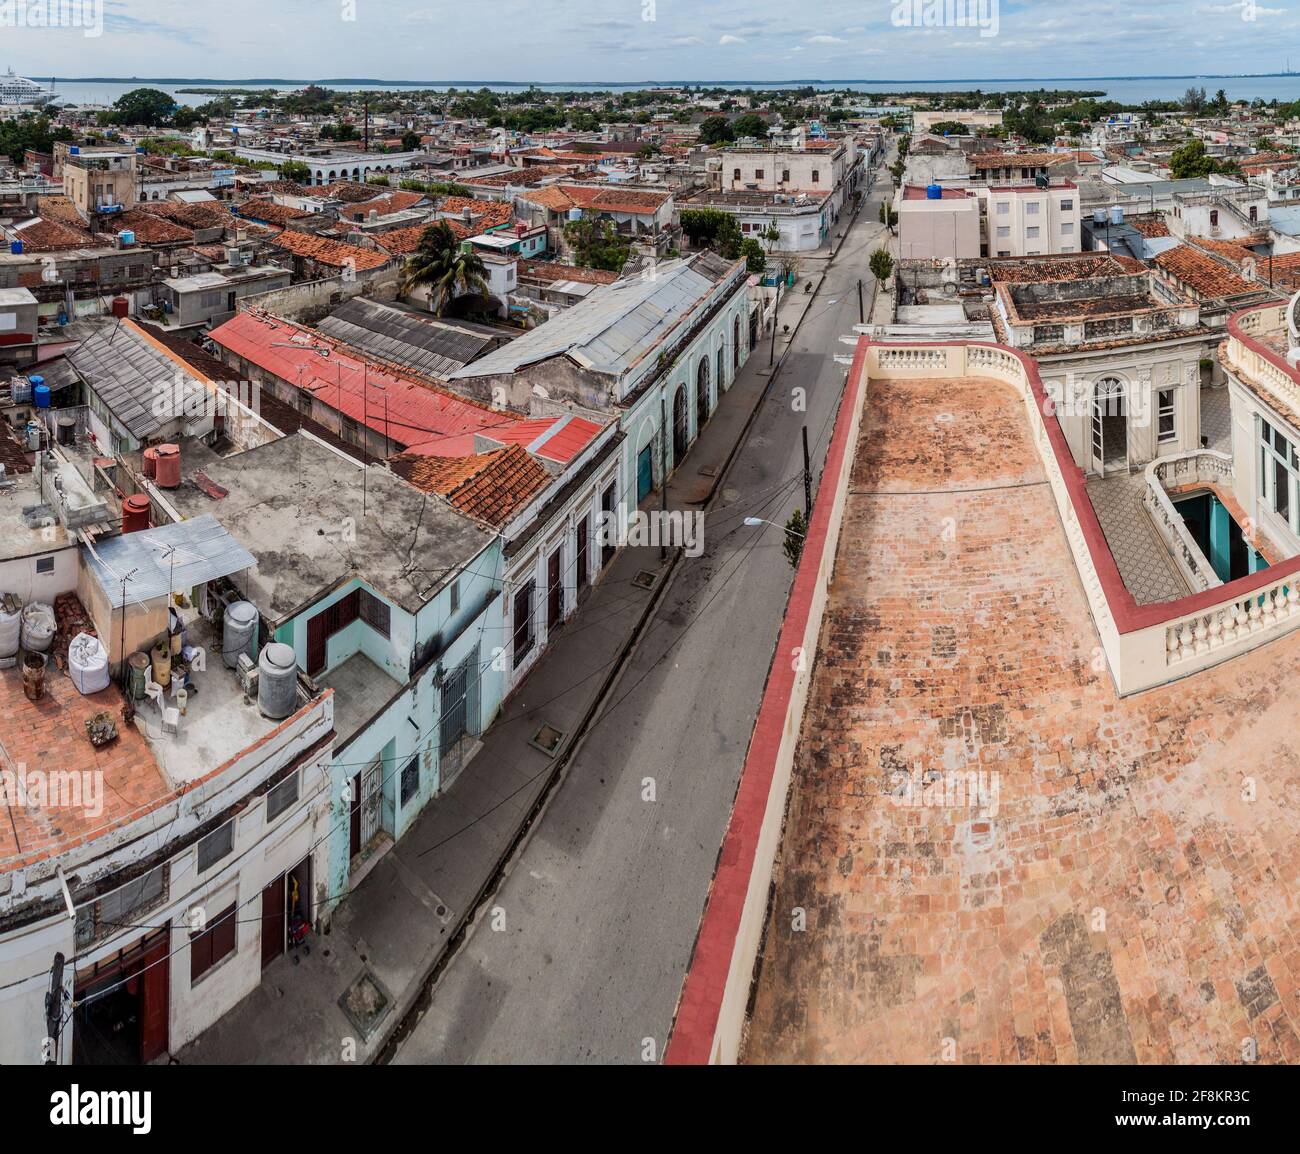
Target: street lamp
(754,522)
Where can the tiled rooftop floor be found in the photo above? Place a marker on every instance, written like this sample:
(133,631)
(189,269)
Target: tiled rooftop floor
(1216,419)
(1144,562)
(1131,904)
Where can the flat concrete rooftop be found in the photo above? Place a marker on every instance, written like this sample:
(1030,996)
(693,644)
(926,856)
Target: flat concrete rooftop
(1117,898)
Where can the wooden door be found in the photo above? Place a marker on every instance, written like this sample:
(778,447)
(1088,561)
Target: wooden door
(317,639)
(155,1001)
(581,547)
(273,921)
(554,593)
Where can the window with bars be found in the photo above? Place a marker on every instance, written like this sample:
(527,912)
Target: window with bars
(410,779)
(216,845)
(282,797)
(118,909)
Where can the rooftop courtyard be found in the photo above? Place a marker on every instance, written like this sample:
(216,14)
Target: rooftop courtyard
(1121,886)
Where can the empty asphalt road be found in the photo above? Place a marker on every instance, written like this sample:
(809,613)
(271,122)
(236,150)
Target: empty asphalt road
(580,955)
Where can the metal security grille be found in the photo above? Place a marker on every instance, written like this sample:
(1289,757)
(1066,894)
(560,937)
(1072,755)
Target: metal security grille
(454,692)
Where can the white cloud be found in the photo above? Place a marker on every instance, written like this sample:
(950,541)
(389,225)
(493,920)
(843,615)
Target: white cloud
(823,39)
(685,41)
(727,38)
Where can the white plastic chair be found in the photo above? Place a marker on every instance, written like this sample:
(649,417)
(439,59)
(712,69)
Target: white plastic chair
(152,690)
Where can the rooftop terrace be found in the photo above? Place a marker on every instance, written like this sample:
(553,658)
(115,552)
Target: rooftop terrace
(1116,900)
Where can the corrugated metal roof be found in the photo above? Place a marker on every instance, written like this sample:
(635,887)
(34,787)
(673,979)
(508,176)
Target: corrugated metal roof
(128,372)
(176,556)
(433,347)
(614,326)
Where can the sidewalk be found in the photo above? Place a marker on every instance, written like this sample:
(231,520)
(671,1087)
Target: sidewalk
(396,927)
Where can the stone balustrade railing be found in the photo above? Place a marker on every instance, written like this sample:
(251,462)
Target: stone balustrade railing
(1147,645)
(1201,467)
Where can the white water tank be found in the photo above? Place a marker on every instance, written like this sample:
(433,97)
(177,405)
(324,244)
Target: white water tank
(238,632)
(277,681)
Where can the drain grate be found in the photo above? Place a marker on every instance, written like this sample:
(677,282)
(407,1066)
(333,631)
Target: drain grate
(547,739)
(366,1003)
(645,579)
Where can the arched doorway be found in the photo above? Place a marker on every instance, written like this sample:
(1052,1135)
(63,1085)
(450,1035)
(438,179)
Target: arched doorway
(722,364)
(701,395)
(735,342)
(1109,428)
(679,425)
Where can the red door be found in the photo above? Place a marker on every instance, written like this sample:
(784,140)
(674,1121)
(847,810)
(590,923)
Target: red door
(273,921)
(155,1001)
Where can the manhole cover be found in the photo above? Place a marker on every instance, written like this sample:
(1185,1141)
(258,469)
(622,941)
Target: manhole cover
(547,739)
(708,470)
(645,579)
(365,1002)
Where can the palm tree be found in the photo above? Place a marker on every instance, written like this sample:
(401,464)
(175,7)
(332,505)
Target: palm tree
(444,267)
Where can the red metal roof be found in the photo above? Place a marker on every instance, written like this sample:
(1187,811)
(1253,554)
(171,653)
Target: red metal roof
(558,439)
(406,408)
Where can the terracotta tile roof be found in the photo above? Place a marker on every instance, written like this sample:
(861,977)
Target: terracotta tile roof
(350,192)
(400,241)
(330,252)
(1150,225)
(51,235)
(551,197)
(270,211)
(616,199)
(398,201)
(1018,159)
(490,487)
(60,208)
(150,229)
(549,270)
(1202,273)
(486,214)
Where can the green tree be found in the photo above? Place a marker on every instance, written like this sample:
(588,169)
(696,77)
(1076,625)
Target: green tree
(715,131)
(447,270)
(24,132)
(1191,161)
(882,264)
(295,170)
(750,124)
(796,532)
(712,228)
(410,141)
(755,257)
(147,106)
(597,244)
(888,215)
(1194,100)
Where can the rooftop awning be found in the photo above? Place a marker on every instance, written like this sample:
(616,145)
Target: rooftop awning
(162,560)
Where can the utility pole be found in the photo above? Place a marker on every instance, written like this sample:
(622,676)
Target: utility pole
(663,479)
(807,474)
(862,317)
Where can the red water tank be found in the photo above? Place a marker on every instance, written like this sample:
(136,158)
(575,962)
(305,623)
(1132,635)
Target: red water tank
(135,513)
(121,307)
(151,463)
(168,466)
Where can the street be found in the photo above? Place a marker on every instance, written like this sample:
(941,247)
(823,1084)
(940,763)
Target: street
(580,955)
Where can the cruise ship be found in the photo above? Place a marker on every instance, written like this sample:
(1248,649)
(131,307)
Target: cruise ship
(16,89)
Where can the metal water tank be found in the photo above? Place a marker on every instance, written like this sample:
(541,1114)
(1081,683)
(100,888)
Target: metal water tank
(239,632)
(135,513)
(1116,214)
(277,681)
(167,463)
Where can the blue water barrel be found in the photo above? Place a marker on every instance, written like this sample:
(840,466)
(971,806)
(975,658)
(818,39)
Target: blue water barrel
(16,247)
(41,393)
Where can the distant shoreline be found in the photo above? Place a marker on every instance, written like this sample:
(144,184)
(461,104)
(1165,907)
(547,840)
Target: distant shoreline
(284,82)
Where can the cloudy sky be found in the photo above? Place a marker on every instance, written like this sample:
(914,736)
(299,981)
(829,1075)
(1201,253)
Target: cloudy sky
(633,40)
